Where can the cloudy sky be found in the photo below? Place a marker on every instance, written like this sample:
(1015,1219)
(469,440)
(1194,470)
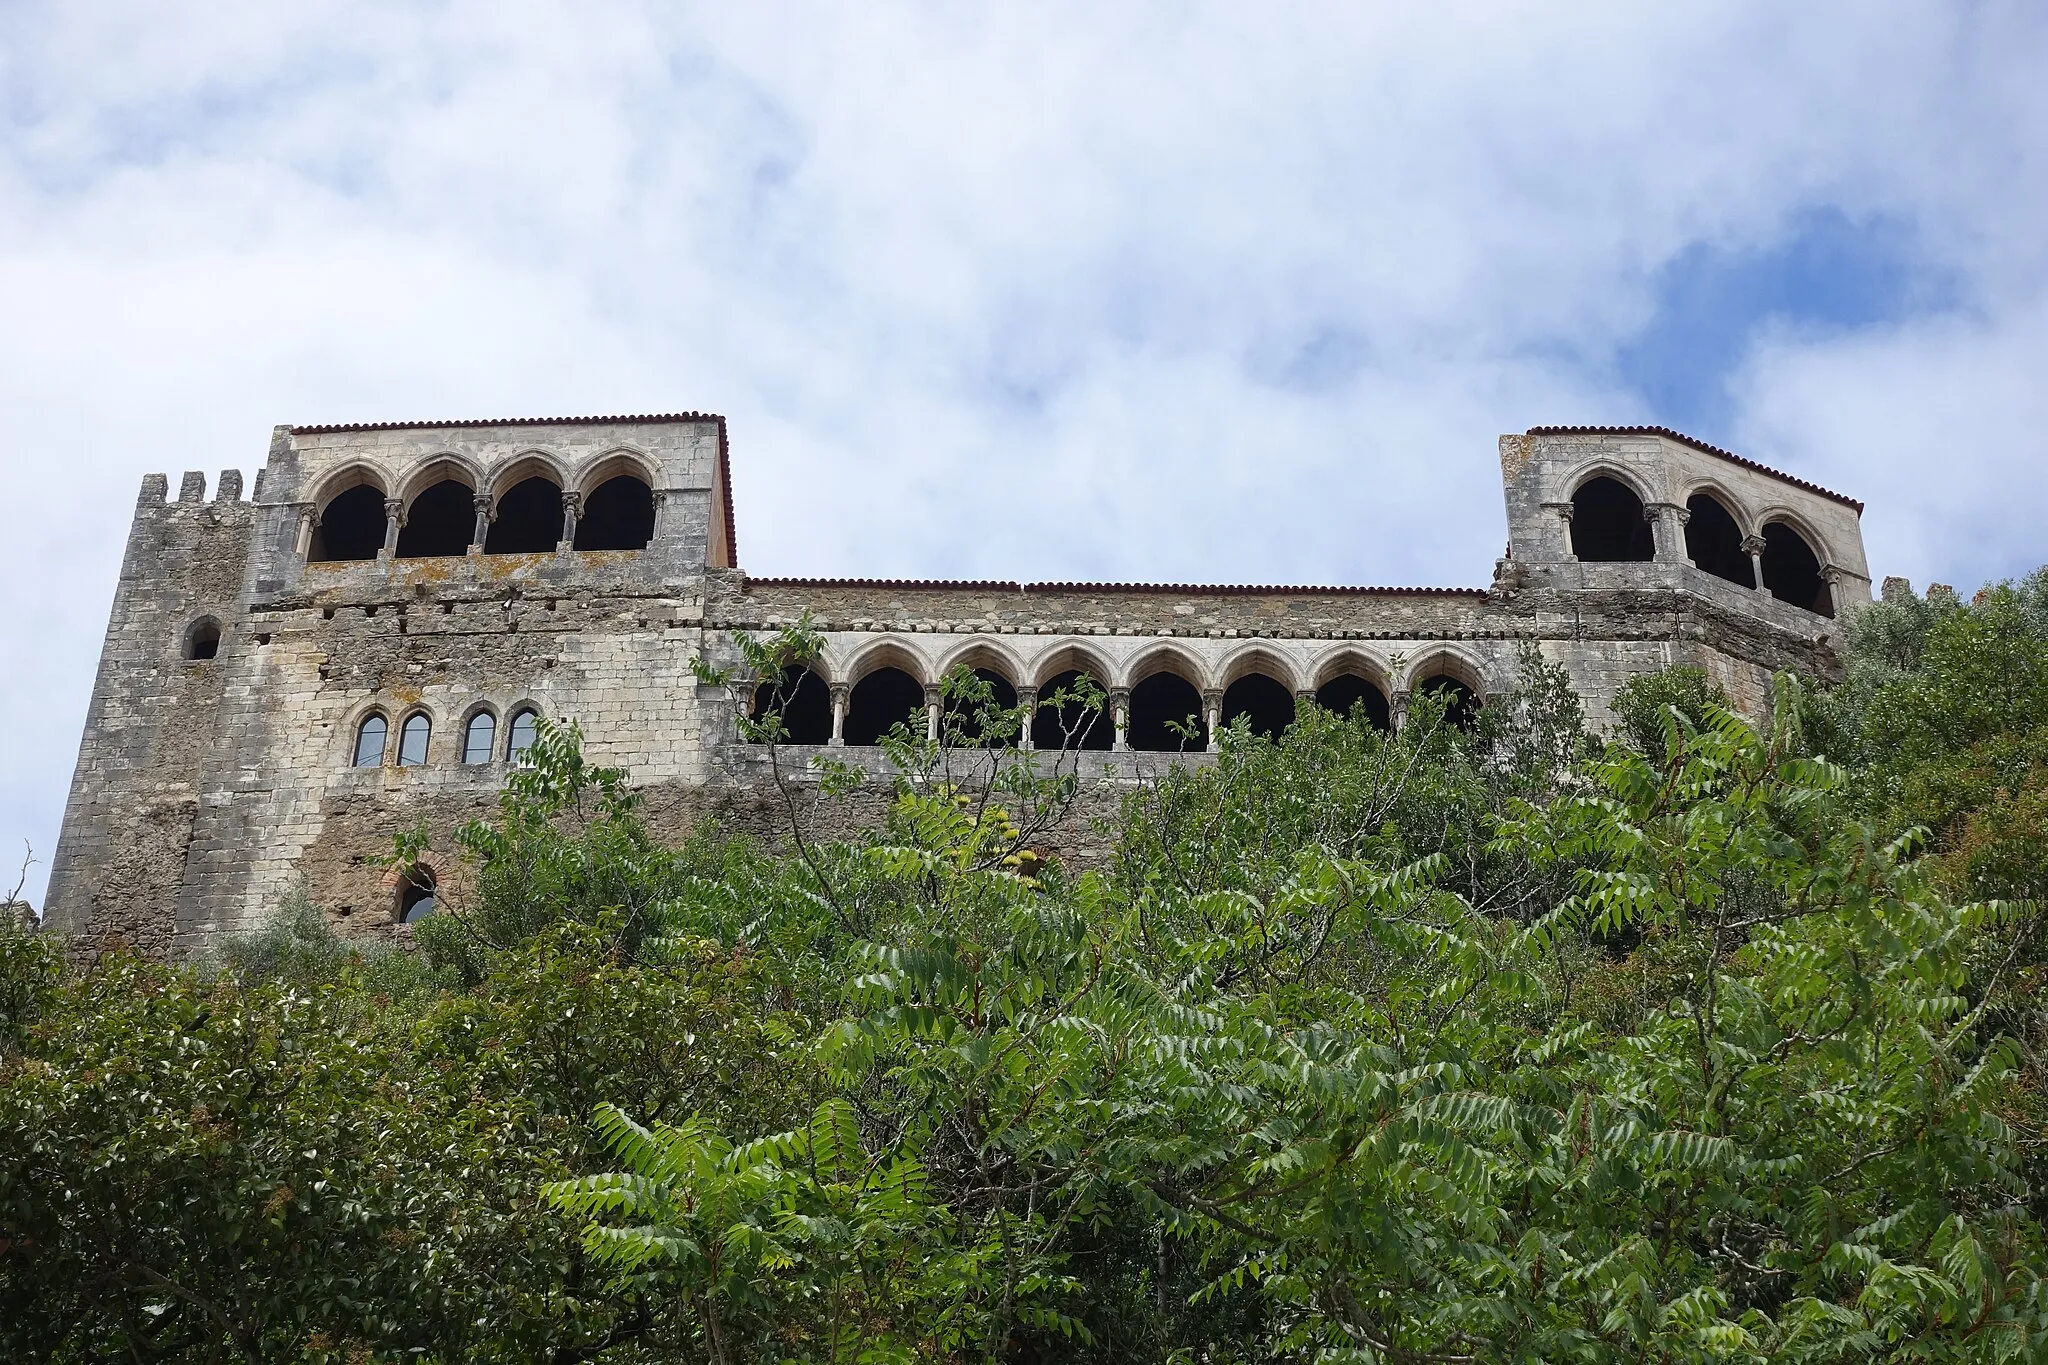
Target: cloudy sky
(1223,292)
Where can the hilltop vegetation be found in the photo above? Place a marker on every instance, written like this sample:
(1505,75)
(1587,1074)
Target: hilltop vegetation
(1712,1040)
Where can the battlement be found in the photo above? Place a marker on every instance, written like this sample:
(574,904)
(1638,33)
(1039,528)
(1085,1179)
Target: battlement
(364,642)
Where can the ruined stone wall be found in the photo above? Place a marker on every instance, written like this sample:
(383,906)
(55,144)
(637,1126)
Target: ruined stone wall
(207,792)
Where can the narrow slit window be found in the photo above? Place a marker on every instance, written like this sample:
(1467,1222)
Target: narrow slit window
(525,729)
(481,738)
(412,741)
(370,742)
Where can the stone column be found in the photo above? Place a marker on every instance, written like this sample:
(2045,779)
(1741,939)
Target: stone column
(1027,707)
(1120,716)
(572,507)
(1212,712)
(1563,512)
(841,692)
(1397,710)
(482,530)
(1667,531)
(304,541)
(1753,546)
(934,703)
(394,517)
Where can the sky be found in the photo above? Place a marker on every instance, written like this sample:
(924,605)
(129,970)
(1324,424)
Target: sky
(1062,291)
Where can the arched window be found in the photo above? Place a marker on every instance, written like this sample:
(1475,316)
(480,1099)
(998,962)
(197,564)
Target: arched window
(966,718)
(529,519)
(412,740)
(618,515)
(480,740)
(416,898)
(879,701)
(525,728)
(1069,724)
(1461,702)
(439,522)
(1266,703)
(803,701)
(1792,570)
(1348,690)
(1160,700)
(1714,542)
(351,527)
(1608,523)
(203,640)
(369,752)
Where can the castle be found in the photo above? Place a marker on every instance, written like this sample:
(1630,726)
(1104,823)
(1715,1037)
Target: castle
(368,640)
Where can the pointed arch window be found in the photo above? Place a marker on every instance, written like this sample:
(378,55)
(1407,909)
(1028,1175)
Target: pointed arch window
(480,740)
(525,728)
(412,740)
(369,751)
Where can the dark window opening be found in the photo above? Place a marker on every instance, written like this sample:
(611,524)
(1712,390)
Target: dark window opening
(439,522)
(1160,700)
(1461,702)
(1792,570)
(1070,725)
(412,741)
(525,728)
(803,700)
(1714,542)
(351,527)
(619,515)
(1608,523)
(369,742)
(1265,703)
(529,520)
(879,701)
(416,896)
(963,718)
(204,641)
(1347,690)
(480,739)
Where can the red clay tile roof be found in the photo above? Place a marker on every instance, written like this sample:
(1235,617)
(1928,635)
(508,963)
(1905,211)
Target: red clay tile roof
(732,543)
(1703,447)
(1185,589)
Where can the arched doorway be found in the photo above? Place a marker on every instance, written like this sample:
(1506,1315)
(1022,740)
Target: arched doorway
(618,515)
(1792,571)
(880,700)
(439,522)
(1266,704)
(1068,724)
(1160,702)
(803,701)
(529,519)
(1347,691)
(351,527)
(1714,542)
(1608,523)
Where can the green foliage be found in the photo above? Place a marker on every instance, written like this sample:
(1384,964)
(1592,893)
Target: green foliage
(1492,1043)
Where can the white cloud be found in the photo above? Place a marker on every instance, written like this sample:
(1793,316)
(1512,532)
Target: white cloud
(1148,291)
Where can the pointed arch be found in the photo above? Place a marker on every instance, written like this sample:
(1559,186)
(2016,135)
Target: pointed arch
(1070,656)
(1165,658)
(1259,658)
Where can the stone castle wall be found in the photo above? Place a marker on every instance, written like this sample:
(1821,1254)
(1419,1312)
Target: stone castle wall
(208,790)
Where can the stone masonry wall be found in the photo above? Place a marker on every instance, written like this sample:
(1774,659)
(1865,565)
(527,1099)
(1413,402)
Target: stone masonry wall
(208,792)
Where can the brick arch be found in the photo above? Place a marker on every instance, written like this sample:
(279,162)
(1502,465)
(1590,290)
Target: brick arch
(1164,658)
(1259,658)
(1351,659)
(983,653)
(1604,468)
(424,474)
(883,654)
(355,474)
(526,465)
(1070,654)
(619,460)
(1450,661)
